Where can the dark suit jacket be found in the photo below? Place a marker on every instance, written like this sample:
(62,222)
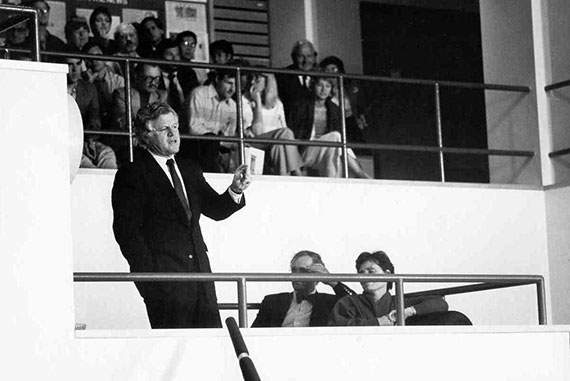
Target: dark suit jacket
(88,101)
(290,89)
(153,231)
(274,307)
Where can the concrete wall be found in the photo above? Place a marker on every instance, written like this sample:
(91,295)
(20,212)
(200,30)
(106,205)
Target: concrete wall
(425,228)
(506,31)
(332,25)
(557,201)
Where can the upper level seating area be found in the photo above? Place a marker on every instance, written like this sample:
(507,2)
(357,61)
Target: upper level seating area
(390,125)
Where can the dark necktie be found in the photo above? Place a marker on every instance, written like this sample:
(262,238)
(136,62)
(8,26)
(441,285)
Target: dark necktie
(178,188)
(173,96)
(300,297)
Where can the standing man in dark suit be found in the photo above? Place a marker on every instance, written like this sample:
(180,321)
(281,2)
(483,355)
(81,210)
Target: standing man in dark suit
(304,307)
(293,88)
(157,203)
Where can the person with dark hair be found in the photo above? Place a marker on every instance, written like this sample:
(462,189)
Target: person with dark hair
(152,33)
(77,33)
(157,204)
(48,41)
(353,100)
(221,53)
(145,91)
(100,22)
(210,110)
(187,42)
(293,88)
(318,118)
(95,153)
(104,78)
(174,80)
(304,307)
(376,306)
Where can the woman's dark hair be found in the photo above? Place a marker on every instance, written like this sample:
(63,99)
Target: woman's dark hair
(96,12)
(378,257)
(332,60)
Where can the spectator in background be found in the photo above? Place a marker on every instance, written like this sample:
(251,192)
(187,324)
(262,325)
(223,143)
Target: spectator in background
(353,100)
(187,43)
(146,81)
(95,154)
(127,40)
(304,307)
(175,84)
(77,33)
(210,110)
(318,118)
(293,88)
(17,38)
(263,108)
(152,33)
(48,41)
(221,53)
(100,22)
(104,78)
(375,306)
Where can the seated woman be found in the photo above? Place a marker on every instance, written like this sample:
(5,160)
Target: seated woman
(318,118)
(264,118)
(353,100)
(375,306)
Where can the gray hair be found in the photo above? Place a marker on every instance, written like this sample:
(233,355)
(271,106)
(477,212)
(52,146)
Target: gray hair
(147,114)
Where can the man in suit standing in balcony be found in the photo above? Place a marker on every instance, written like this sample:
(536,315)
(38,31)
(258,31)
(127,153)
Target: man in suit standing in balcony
(293,88)
(157,203)
(304,307)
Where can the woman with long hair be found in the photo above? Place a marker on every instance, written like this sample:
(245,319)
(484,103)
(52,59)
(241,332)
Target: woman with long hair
(264,118)
(318,118)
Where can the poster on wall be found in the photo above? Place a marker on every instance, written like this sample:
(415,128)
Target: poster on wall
(189,15)
(57,19)
(131,15)
(86,13)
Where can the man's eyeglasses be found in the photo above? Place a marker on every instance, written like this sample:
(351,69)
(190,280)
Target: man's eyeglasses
(166,128)
(188,43)
(151,79)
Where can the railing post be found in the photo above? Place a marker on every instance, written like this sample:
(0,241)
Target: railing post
(239,105)
(400,318)
(242,302)
(343,126)
(36,38)
(541,301)
(439,131)
(129,107)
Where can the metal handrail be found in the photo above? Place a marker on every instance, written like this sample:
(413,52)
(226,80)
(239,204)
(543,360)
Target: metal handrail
(555,86)
(29,13)
(484,282)
(344,145)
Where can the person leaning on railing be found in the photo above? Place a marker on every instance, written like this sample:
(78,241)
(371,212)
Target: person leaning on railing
(305,307)
(376,306)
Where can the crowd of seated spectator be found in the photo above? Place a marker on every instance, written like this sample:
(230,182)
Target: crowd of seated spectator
(280,107)
(305,307)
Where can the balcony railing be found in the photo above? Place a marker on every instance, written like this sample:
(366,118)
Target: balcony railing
(481,283)
(344,145)
(555,86)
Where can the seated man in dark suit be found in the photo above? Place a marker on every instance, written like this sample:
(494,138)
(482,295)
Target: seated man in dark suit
(304,307)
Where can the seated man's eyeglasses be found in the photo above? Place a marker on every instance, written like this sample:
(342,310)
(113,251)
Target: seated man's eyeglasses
(151,79)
